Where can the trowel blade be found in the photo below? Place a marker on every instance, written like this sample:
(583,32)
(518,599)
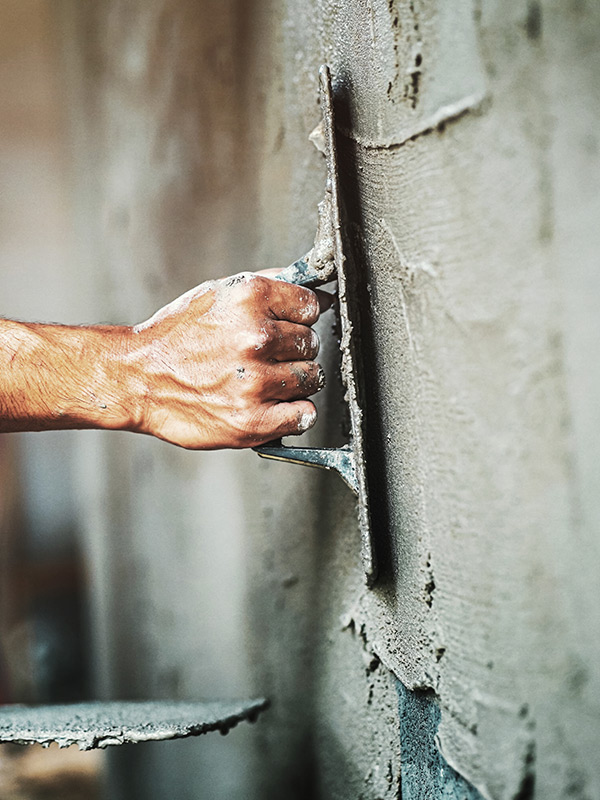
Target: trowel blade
(98,725)
(351,367)
(319,266)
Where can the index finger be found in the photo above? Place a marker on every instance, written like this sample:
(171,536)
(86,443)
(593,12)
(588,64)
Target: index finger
(294,303)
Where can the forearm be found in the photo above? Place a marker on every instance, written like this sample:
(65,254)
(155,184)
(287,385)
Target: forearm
(57,377)
(228,364)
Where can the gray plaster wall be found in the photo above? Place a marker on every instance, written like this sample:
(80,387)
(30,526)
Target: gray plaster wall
(470,160)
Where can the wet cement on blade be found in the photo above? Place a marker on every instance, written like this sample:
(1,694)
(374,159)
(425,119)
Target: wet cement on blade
(97,725)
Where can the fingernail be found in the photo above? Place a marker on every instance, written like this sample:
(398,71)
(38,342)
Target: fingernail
(307,420)
(316,344)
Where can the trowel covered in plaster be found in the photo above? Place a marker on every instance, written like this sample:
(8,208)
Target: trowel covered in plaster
(100,725)
(325,262)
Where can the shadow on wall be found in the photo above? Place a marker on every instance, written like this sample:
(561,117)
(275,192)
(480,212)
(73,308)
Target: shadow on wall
(425,772)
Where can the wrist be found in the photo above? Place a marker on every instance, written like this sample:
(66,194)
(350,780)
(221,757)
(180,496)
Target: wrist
(125,374)
(96,386)
(117,394)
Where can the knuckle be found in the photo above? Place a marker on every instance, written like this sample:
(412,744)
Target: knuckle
(243,418)
(240,284)
(256,286)
(249,288)
(304,301)
(238,406)
(244,396)
(257,338)
(254,388)
(240,279)
(268,332)
(246,343)
(255,385)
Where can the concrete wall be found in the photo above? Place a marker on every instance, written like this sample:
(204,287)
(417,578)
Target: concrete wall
(471,169)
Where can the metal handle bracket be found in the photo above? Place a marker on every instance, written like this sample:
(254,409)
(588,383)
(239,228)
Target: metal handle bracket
(340,459)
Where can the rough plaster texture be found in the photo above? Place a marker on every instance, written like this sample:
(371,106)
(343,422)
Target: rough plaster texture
(470,163)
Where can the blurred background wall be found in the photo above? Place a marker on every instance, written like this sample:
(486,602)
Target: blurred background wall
(150,145)
(44,643)
(41,567)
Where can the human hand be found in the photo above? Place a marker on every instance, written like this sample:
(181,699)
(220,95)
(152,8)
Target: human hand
(229,364)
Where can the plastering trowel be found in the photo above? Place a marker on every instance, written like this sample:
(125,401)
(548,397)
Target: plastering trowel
(326,262)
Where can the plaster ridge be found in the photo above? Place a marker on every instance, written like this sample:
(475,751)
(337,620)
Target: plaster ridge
(481,788)
(444,114)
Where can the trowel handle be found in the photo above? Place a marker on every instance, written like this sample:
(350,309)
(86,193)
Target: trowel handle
(339,459)
(302,274)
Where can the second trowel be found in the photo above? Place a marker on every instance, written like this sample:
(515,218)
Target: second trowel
(326,262)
